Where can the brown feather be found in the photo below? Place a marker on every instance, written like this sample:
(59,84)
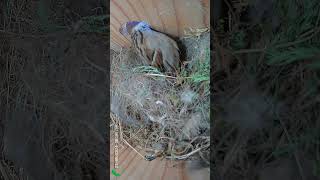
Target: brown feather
(157,49)
(157,58)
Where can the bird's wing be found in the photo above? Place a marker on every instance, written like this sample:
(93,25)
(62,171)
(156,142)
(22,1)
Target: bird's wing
(174,43)
(156,58)
(152,52)
(177,50)
(138,41)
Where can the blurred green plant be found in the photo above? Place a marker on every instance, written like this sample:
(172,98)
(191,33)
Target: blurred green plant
(146,69)
(314,65)
(238,40)
(201,70)
(316,168)
(95,24)
(198,77)
(300,24)
(7,8)
(311,137)
(288,56)
(43,12)
(296,19)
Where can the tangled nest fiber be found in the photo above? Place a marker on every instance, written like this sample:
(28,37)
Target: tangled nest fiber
(158,113)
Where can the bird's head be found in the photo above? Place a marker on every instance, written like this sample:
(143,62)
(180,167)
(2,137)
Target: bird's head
(131,26)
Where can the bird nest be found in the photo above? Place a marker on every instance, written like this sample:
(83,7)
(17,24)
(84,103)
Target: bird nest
(161,115)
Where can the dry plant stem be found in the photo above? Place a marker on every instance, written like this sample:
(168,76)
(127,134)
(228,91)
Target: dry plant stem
(204,137)
(132,148)
(166,76)
(295,152)
(185,149)
(114,119)
(186,155)
(203,158)
(167,138)
(160,75)
(276,147)
(135,134)
(95,66)
(230,8)
(226,135)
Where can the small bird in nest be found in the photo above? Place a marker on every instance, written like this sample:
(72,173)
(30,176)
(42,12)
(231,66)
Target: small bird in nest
(156,48)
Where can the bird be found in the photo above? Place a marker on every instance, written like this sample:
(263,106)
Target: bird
(158,49)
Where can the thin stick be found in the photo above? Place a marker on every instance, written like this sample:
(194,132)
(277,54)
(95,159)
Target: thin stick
(186,155)
(161,75)
(121,135)
(132,148)
(95,65)
(295,152)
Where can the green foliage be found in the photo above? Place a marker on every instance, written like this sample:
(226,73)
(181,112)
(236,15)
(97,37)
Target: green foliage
(43,12)
(197,76)
(284,57)
(220,25)
(238,40)
(7,8)
(296,20)
(146,69)
(314,65)
(297,23)
(43,15)
(95,24)
(201,71)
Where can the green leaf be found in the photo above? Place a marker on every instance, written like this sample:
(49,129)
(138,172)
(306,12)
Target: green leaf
(315,65)
(290,56)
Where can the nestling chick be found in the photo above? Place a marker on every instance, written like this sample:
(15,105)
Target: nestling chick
(157,48)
